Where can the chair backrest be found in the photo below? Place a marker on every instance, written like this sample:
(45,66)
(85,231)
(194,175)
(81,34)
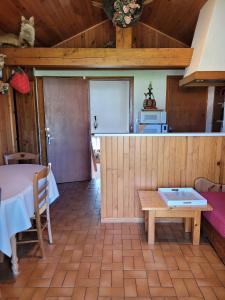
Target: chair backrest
(40,190)
(21,156)
(202,184)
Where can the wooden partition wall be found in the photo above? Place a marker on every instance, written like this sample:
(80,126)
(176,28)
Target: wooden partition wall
(130,163)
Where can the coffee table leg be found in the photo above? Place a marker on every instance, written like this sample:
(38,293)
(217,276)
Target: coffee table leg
(146,220)
(187,225)
(151,227)
(14,259)
(196,228)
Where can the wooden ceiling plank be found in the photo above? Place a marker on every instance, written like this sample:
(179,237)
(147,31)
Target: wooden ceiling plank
(176,18)
(97,4)
(99,58)
(164,34)
(80,33)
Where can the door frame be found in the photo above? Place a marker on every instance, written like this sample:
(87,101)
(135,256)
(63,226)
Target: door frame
(131,94)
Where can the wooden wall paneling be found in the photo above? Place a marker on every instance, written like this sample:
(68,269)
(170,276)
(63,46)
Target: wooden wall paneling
(41,120)
(27,121)
(98,36)
(143,161)
(132,177)
(222,164)
(115,176)
(99,58)
(109,205)
(120,157)
(126,181)
(104,176)
(220,167)
(145,36)
(137,173)
(6,143)
(150,162)
(154,169)
(8,135)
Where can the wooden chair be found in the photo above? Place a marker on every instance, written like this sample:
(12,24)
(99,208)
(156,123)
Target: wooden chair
(41,209)
(21,156)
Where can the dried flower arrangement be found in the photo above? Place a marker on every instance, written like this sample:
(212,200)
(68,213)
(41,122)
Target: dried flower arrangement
(123,13)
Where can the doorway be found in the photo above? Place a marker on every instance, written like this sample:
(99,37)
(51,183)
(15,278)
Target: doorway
(67,128)
(111,105)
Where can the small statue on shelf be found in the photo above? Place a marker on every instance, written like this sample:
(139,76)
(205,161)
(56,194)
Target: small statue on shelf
(149,102)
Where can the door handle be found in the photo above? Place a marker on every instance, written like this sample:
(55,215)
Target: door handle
(95,122)
(48,136)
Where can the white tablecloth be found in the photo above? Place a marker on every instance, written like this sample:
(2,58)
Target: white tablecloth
(17,205)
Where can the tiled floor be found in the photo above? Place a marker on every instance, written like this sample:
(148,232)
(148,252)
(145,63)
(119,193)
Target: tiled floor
(92,261)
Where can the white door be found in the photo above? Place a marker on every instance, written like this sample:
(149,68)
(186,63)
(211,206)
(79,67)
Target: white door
(109,105)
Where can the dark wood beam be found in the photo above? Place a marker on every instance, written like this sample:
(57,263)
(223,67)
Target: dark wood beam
(204,78)
(99,58)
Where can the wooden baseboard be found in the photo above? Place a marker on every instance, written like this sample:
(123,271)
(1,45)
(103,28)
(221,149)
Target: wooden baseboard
(140,220)
(122,220)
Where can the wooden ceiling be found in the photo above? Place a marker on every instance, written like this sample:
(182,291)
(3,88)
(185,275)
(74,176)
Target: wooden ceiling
(176,18)
(57,20)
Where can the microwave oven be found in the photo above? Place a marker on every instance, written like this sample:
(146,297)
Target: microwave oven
(152,117)
(153,128)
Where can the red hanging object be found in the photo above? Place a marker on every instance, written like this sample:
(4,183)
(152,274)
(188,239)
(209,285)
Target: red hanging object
(20,81)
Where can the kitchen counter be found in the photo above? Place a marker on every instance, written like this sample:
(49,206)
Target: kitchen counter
(164,134)
(132,162)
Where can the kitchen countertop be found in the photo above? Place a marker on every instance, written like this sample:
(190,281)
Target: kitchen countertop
(164,134)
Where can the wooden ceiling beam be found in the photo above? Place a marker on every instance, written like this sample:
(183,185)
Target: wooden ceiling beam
(99,58)
(124,37)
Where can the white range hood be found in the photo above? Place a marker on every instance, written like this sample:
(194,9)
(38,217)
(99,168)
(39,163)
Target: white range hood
(208,61)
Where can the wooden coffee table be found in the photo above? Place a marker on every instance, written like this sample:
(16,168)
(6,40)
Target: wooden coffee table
(155,207)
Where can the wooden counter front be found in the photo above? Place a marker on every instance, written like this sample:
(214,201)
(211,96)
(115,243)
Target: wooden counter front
(132,163)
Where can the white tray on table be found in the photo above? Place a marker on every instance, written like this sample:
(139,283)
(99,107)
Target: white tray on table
(182,197)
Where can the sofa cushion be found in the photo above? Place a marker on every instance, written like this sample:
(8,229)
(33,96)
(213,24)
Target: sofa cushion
(216,217)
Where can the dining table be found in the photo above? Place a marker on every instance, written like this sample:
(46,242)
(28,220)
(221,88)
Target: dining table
(17,204)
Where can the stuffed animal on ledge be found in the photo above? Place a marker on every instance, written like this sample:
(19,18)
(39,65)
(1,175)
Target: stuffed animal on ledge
(26,37)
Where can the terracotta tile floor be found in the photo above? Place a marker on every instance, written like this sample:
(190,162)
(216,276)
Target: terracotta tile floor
(91,261)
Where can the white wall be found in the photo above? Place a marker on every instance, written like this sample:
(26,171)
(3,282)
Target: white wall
(141,82)
(209,39)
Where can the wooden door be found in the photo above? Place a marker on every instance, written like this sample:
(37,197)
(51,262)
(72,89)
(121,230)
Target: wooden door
(67,123)
(186,107)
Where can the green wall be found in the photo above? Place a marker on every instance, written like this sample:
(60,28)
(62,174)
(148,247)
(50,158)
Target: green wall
(141,81)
